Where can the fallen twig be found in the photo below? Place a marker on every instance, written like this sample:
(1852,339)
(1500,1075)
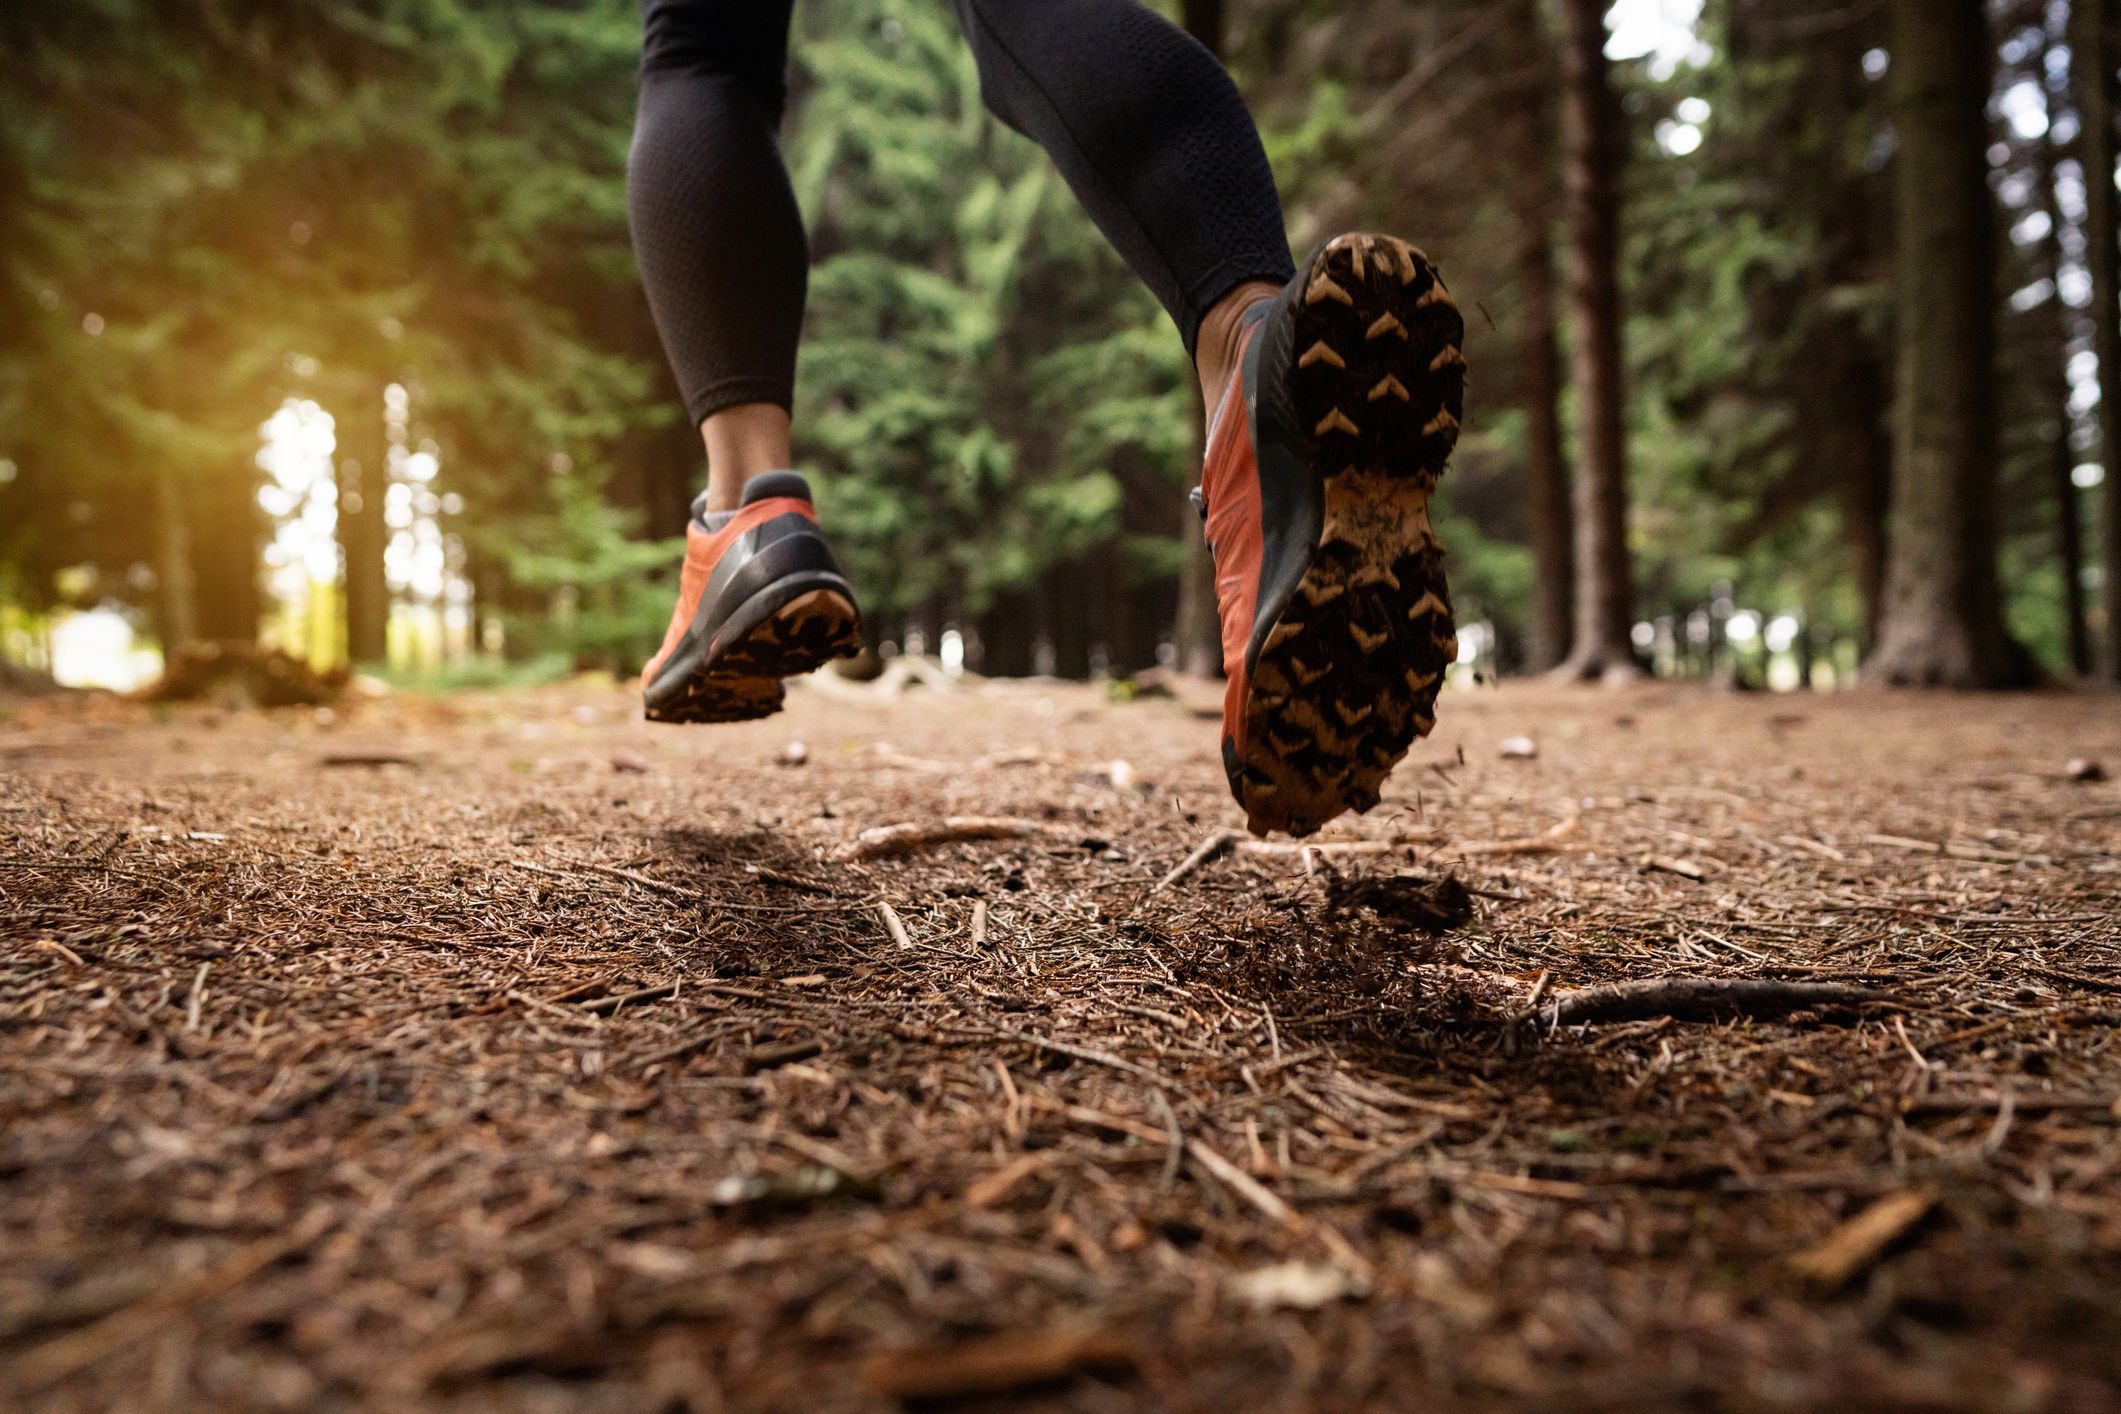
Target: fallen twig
(1547,843)
(656,886)
(912,836)
(1956,849)
(894,925)
(1700,999)
(996,1364)
(787,1053)
(1835,1260)
(1330,848)
(1243,1185)
(1097,1057)
(605,1006)
(1207,851)
(2021,1102)
(367,758)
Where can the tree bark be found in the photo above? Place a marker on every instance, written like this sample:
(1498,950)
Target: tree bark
(1533,190)
(1942,624)
(1197,632)
(363,478)
(2092,75)
(177,593)
(2069,527)
(1546,475)
(1590,139)
(225,535)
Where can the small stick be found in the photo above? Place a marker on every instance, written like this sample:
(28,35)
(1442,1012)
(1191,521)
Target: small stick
(979,923)
(2001,1129)
(197,1000)
(1329,848)
(1531,1003)
(1547,843)
(1209,849)
(1856,1244)
(912,836)
(767,1057)
(893,925)
(630,876)
(681,1051)
(1174,1144)
(1243,1185)
(1702,999)
(2023,1104)
(997,1186)
(605,1006)
(1105,1058)
(790,880)
(996,1364)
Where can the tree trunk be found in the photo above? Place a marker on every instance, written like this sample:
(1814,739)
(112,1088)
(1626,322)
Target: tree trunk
(225,535)
(2069,528)
(1942,620)
(1546,475)
(1198,629)
(1533,191)
(364,479)
(1590,139)
(1067,586)
(2092,75)
(177,593)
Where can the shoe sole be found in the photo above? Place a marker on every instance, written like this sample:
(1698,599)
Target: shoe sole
(742,682)
(1347,677)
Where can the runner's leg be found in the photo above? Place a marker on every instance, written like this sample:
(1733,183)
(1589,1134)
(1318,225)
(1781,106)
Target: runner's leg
(715,225)
(722,254)
(1153,138)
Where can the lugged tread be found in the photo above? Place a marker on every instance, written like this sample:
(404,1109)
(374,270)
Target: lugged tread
(743,681)
(1347,678)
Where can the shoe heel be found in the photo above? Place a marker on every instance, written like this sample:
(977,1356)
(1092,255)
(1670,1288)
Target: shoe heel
(1379,376)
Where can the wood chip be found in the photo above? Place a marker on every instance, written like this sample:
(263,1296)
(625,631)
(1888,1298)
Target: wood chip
(1852,1247)
(998,1364)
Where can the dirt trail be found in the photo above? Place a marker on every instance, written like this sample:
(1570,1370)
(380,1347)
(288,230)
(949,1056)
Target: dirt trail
(507,1051)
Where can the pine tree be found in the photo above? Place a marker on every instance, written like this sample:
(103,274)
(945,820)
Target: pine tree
(2092,63)
(1942,621)
(1590,138)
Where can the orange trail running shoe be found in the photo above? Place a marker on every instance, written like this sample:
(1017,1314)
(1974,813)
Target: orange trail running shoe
(761,599)
(1336,622)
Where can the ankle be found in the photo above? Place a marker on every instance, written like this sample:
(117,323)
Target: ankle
(743,442)
(1221,337)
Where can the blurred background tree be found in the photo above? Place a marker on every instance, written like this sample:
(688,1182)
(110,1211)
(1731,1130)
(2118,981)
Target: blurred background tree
(318,325)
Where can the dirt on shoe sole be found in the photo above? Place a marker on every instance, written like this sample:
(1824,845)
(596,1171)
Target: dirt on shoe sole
(1348,676)
(743,680)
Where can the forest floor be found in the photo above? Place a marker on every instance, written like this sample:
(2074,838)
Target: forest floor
(505,1051)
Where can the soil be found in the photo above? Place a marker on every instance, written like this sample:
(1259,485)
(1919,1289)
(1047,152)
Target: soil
(508,1051)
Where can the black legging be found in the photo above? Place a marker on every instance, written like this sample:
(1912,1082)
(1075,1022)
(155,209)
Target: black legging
(1140,119)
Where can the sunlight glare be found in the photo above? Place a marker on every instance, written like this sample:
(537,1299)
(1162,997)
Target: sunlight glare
(1663,31)
(99,649)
